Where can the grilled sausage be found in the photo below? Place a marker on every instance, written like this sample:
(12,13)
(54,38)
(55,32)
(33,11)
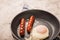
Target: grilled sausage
(30,24)
(22,27)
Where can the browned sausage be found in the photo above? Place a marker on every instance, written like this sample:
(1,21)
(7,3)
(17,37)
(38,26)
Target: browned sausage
(22,27)
(30,24)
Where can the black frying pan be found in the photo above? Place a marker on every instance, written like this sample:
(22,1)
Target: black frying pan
(43,17)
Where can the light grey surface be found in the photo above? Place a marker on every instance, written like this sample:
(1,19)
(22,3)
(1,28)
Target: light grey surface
(10,8)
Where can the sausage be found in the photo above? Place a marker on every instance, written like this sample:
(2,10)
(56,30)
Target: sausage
(30,24)
(22,27)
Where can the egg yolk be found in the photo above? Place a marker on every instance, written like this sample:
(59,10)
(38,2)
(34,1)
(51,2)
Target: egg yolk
(41,29)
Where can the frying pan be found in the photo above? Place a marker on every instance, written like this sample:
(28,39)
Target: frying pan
(42,17)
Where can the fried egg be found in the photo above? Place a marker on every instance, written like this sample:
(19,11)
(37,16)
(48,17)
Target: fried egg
(40,32)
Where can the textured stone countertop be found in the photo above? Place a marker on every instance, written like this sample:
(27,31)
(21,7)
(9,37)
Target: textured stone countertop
(10,8)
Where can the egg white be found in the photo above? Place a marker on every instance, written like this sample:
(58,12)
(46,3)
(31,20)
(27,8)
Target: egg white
(38,35)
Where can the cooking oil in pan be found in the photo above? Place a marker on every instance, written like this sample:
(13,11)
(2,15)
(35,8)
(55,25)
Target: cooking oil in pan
(38,22)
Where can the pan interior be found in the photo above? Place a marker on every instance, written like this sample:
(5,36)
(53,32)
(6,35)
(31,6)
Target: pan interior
(40,22)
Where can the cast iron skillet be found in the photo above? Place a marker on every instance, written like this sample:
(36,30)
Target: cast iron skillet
(47,18)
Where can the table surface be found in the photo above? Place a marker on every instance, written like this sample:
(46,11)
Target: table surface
(10,8)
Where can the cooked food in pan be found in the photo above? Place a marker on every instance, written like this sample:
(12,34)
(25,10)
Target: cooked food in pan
(39,32)
(22,27)
(30,24)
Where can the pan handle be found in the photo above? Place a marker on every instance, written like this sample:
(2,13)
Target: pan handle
(25,7)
